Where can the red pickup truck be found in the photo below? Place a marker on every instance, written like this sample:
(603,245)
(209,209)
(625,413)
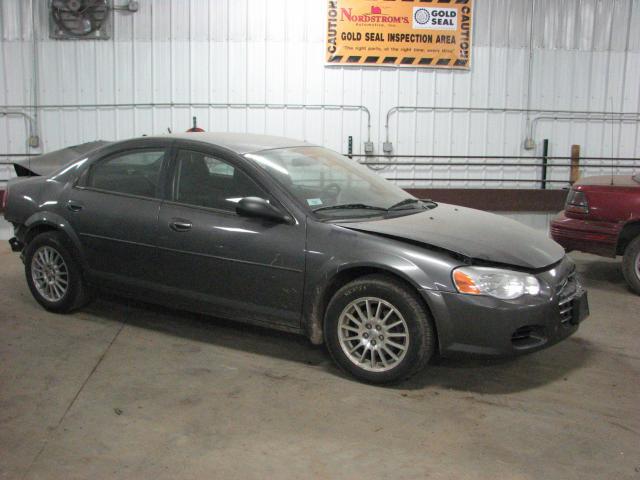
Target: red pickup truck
(602,216)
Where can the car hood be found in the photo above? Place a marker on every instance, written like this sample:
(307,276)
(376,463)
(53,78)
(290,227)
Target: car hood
(472,233)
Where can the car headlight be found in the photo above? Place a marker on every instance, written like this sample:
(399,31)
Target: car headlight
(495,282)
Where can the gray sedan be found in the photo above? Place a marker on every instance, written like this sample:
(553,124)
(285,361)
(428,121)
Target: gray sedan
(292,236)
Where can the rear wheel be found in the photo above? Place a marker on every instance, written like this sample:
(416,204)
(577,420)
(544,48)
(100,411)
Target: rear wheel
(53,274)
(631,265)
(378,330)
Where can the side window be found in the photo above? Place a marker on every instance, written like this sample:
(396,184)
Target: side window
(134,173)
(207,181)
(218,167)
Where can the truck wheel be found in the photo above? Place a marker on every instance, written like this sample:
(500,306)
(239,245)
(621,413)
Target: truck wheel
(631,265)
(53,275)
(378,330)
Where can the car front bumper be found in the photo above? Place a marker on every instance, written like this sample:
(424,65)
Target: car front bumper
(481,325)
(600,238)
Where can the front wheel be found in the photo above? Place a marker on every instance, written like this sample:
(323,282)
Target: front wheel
(631,265)
(378,330)
(53,274)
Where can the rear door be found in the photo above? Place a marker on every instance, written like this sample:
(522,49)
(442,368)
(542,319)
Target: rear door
(114,209)
(219,261)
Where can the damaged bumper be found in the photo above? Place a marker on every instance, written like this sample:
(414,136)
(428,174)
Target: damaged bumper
(483,325)
(16,245)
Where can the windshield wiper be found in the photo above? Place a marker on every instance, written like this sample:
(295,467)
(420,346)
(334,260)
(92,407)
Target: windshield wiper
(402,203)
(351,206)
(407,202)
(362,206)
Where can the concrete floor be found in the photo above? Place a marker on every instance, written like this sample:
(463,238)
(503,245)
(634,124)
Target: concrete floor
(6,230)
(122,390)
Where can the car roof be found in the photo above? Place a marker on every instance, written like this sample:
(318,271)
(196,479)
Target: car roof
(240,142)
(608,181)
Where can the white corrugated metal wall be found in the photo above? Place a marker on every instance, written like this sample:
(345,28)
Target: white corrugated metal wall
(585,57)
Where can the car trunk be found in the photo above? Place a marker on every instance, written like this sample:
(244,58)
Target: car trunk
(610,181)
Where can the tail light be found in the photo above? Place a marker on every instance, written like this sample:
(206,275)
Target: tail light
(577,202)
(5,196)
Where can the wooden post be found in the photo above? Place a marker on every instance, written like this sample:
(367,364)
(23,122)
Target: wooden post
(575,164)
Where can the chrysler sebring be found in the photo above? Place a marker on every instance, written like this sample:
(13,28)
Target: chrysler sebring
(292,236)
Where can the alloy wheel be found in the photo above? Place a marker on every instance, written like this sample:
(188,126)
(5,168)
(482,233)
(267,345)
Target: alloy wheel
(50,274)
(373,334)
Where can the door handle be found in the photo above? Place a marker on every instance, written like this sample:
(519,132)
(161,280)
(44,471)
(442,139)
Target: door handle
(73,206)
(180,225)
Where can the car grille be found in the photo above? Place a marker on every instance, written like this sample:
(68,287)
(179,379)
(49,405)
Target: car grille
(567,291)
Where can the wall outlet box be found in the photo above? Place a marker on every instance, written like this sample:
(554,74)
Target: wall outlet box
(368,147)
(529,144)
(387,147)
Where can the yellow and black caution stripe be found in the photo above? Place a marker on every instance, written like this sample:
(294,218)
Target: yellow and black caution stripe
(405,61)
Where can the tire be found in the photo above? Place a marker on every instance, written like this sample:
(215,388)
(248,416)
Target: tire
(631,265)
(42,255)
(396,317)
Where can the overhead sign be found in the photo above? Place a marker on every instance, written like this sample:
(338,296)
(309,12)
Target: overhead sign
(403,33)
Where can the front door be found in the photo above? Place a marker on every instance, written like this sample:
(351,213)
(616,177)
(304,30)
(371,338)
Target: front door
(237,266)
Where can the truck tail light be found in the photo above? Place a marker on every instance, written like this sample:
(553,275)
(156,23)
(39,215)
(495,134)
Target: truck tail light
(577,202)
(5,196)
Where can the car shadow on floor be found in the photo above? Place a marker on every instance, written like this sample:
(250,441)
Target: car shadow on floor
(478,375)
(602,272)
(507,375)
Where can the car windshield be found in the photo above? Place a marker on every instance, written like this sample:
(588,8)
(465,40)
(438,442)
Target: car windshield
(332,185)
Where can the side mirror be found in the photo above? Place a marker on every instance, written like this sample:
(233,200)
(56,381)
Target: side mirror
(260,208)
